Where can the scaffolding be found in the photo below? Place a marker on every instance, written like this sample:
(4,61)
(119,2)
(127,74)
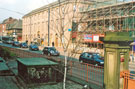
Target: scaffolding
(104,17)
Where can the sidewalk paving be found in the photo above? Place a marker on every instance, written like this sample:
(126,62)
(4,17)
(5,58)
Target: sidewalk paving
(7,82)
(75,55)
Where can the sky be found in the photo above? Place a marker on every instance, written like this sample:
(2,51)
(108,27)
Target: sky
(18,8)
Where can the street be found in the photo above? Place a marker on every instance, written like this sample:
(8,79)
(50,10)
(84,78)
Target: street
(87,72)
(82,71)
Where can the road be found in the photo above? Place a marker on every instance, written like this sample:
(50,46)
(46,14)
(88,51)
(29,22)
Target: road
(85,72)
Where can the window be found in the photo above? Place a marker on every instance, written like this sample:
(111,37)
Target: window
(74,8)
(74,26)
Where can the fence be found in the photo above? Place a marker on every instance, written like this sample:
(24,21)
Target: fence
(129,80)
(87,72)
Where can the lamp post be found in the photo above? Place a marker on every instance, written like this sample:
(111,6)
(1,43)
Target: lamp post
(30,30)
(48,26)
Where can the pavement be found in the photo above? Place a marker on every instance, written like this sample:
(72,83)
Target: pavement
(74,55)
(7,82)
(11,82)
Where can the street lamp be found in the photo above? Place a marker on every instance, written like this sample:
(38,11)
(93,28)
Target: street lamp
(48,26)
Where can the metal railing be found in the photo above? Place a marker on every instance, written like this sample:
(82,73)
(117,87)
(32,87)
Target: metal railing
(87,72)
(129,80)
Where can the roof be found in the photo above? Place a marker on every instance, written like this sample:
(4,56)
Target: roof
(9,20)
(133,43)
(15,25)
(3,65)
(36,61)
(106,5)
(1,59)
(56,3)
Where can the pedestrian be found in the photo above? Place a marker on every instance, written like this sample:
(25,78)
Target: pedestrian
(132,57)
(52,43)
(26,41)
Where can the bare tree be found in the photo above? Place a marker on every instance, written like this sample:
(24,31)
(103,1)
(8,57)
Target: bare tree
(67,19)
(70,16)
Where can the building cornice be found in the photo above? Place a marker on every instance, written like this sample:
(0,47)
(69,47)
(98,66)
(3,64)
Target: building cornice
(54,5)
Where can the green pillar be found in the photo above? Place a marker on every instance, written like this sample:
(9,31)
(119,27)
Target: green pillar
(116,49)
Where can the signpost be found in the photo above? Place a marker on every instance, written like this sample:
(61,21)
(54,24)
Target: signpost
(69,29)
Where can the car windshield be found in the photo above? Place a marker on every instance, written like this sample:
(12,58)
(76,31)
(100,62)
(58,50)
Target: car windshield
(16,42)
(96,55)
(24,43)
(34,45)
(52,48)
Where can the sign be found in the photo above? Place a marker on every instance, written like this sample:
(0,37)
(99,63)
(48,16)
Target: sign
(69,29)
(134,47)
(101,35)
(74,34)
(95,38)
(88,38)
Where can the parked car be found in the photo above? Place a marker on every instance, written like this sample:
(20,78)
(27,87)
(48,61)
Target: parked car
(16,43)
(23,45)
(92,58)
(33,47)
(7,41)
(50,51)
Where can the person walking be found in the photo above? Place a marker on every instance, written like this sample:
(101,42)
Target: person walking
(132,57)
(52,43)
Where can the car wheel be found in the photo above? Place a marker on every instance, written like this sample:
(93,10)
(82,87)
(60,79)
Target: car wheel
(42,53)
(96,64)
(81,61)
(49,54)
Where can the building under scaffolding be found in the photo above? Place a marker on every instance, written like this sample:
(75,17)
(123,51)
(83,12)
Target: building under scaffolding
(118,17)
(104,17)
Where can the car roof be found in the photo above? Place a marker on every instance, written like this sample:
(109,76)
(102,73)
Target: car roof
(91,52)
(49,47)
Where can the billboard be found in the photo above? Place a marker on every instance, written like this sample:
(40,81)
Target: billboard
(88,38)
(93,38)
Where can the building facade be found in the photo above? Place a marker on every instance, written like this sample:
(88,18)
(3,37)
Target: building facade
(115,17)
(15,30)
(52,23)
(3,31)
(11,27)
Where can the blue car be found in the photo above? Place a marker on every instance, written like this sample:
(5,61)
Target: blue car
(16,43)
(23,45)
(33,47)
(92,58)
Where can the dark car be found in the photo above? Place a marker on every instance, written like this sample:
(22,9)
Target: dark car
(7,41)
(16,43)
(50,51)
(23,45)
(33,47)
(92,58)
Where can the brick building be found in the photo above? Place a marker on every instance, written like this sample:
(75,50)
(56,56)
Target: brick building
(11,27)
(3,31)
